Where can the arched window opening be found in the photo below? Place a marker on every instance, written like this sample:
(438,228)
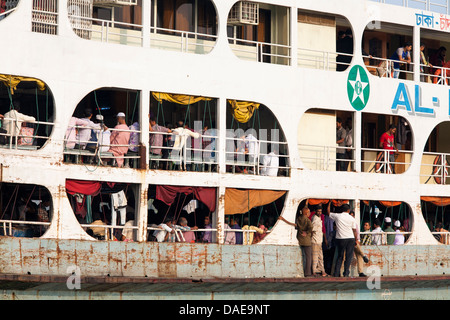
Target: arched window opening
(105,130)
(182,214)
(387,50)
(387,144)
(184,25)
(25,210)
(183,132)
(260,32)
(436,213)
(27,107)
(434,168)
(385,222)
(325,41)
(255,141)
(105,210)
(334,148)
(434,68)
(250,215)
(120,23)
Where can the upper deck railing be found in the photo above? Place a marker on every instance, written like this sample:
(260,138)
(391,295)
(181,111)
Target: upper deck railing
(439,6)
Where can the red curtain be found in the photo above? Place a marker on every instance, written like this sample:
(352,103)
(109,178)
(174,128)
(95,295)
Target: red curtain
(88,188)
(207,196)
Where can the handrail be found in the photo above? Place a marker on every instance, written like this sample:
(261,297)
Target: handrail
(327,58)
(15,135)
(388,67)
(4,14)
(259,49)
(383,235)
(8,224)
(442,168)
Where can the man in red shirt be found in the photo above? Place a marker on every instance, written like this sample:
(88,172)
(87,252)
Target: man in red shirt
(387,142)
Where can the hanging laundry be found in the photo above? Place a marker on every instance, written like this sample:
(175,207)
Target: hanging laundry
(191,206)
(119,203)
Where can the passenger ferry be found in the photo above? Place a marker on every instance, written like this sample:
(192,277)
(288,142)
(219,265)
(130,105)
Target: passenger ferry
(230,111)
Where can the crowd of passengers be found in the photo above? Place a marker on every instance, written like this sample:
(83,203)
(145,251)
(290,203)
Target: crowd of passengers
(181,229)
(173,230)
(320,237)
(85,134)
(430,69)
(24,208)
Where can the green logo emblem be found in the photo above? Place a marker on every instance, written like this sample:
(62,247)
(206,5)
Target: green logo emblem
(358,88)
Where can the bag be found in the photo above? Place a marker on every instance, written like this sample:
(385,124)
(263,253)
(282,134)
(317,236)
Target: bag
(25,136)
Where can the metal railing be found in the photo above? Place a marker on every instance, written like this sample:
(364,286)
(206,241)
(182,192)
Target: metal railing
(107,31)
(385,67)
(323,60)
(320,157)
(380,238)
(438,75)
(6,13)
(99,152)
(179,232)
(22,227)
(45,16)
(429,5)
(383,163)
(181,41)
(23,138)
(252,161)
(184,155)
(442,236)
(438,169)
(108,230)
(261,51)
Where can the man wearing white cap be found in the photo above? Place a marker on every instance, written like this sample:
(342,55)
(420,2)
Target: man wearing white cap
(399,238)
(120,139)
(390,237)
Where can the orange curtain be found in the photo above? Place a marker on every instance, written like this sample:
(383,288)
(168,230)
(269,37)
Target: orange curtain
(386,204)
(241,201)
(437,201)
(389,204)
(336,203)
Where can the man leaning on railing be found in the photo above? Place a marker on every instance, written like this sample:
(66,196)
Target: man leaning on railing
(13,121)
(403,55)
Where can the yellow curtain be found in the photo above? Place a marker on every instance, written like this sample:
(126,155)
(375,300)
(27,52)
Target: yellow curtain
(13,81)
(178,98)
(243,110)
(241,201)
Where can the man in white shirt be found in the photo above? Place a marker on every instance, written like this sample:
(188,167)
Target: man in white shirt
(166,229)
(377,237)
(251,147)
(13,120)
(84,134)
(270,163)
(399,238)
(345,238)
